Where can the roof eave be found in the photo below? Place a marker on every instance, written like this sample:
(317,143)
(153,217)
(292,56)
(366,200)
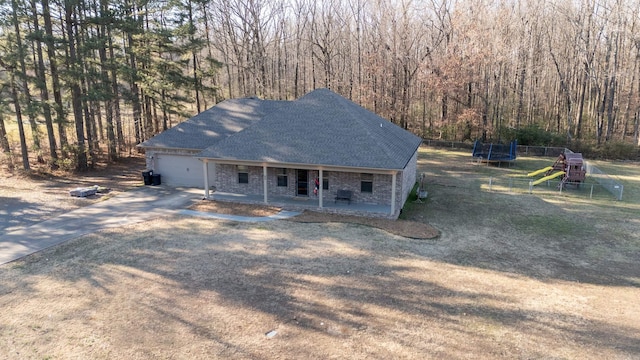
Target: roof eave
(166,148)
(326,167)
(414,151)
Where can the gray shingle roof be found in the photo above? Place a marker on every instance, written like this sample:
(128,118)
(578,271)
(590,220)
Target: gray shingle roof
(320,128)
(214,124)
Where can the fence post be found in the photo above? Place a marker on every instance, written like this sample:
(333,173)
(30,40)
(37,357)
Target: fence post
(530,187)
(490,180)
(591,194)
(621,188)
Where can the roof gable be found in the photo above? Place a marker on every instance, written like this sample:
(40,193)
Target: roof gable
(320,128)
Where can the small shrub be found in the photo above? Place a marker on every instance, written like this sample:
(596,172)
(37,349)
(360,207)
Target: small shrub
(507,133)
(619,150)
(558,140)
(68,163)
(586,148)
(532,135)
(613,150)
(448,132)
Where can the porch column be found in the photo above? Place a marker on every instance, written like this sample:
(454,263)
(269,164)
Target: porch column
(264,182)
(393,193)
(205,169)
(320,188)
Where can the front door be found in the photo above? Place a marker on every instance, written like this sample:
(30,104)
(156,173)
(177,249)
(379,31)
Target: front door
(303,183)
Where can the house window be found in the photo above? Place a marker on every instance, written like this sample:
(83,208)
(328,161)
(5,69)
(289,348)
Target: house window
(243,174)
(282,177)
(366,183)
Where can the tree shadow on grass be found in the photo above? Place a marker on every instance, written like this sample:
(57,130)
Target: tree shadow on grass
(339,281)
(547,239)
(16,213)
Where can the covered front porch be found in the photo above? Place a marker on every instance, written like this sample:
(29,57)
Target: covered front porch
(303,187)
(307,203)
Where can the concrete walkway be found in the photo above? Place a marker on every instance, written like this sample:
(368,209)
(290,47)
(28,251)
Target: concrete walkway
(131,207)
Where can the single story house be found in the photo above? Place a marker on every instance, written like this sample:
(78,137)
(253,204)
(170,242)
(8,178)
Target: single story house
(313,148)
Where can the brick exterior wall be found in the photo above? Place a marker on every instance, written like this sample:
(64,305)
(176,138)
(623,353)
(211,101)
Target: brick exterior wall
(226,180)
(408,180)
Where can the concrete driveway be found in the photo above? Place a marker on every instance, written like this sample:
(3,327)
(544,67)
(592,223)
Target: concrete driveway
(127,208)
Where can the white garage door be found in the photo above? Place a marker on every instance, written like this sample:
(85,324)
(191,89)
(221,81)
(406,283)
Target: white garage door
(177,170)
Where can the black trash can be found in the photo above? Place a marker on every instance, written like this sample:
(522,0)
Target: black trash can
(155,179)
(146,175)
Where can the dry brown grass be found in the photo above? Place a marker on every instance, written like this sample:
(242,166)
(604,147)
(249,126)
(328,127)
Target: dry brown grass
(511,277)
(405,228)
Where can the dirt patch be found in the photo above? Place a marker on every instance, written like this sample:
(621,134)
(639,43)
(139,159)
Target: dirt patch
(405,228)
(228,208)
(28,198)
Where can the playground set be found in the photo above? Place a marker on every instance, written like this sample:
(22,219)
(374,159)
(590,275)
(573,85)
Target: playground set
(495,152)
(569,166)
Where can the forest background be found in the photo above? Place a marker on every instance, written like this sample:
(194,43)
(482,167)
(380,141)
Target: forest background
(83,81)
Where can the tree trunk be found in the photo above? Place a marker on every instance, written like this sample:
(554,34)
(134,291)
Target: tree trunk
(521,82)
(4,142)
(611,116)
(636,117)
(445,108)
(148,119)
(115,94)
(165,118)
(207,33)
(76,100)
(154,107)
(44,92)
(406,83)
(636,129)
(133,80)
(196,80)
(86,84)
(630,97)
(18,110)
(583,91)
(89,126)
(602,103)
(35,132)
(112,151)
(55,80)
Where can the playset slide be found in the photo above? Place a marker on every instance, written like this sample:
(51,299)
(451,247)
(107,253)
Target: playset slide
(552,176)
(537,172)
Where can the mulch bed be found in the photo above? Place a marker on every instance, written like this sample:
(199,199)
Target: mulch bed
(405,228)
(228,208)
